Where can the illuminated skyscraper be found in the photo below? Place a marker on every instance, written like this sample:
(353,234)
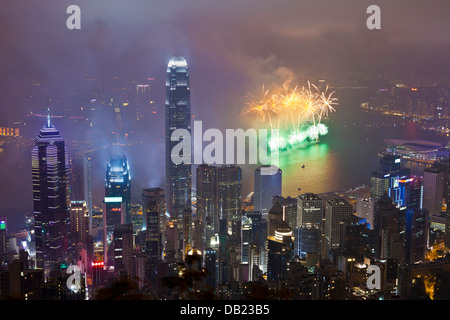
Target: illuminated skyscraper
(123,250)
(117,182)
(229,191)
(178,116)
(81,181)
(79,221)
(416,234)
(207,198)
(407,192)
(3,239)
(390,170)
(246,238)
(116,204)
(154,211)
(51,196)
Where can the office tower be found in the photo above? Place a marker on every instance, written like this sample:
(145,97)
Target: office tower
(20,283)
(3,239)
(310,209)
(389,225)
(79,221)
(274,218)
(178,116)
(140,266)
(229,192)
(447,229)
(76,178)
(211,267)
(81,180)
(258,257)
(365,208)
(357,240)
(407,192)
(187,241)
(170,252)
(266,186)
(154,211)
(306,240)
(51,196)
(113,214)
(447,211)
(153,246)
(222,252)
(123,250)
(290,209)
(433,189)
(379,184)
(416,234)
(207,201)
(246,237)
(143,94)
(390,164)
(98,274)
(280,248)
(144,101)
(117,182)
(335,211)
(390,169)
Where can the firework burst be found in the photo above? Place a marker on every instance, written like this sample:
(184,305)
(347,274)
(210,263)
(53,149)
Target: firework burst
(296,113)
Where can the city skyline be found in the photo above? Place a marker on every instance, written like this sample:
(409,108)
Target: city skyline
(356,207)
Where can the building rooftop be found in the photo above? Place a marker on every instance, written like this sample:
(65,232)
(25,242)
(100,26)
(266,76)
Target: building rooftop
(417,145)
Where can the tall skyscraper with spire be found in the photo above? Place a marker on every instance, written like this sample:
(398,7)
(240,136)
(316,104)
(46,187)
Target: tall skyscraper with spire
(51,197)
(178,116)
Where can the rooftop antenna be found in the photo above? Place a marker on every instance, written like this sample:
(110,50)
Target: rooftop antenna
(49,116)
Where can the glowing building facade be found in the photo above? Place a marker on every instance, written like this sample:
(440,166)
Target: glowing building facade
(51,197)
(178,116)
(116,204)
(117,182)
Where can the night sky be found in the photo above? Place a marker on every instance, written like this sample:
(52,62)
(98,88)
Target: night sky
(232,46)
